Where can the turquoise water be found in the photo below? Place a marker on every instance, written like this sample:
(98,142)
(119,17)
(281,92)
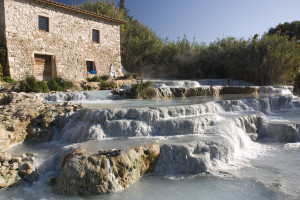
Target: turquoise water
(272,173)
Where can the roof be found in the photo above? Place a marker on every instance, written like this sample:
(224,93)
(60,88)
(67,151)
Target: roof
(66,7)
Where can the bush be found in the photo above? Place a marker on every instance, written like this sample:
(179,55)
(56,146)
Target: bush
(136,76)
(98,78)
(107,85)
(142,90)
(30,84)
(126,76)
(104,77)
(297,83)
(59,84)
(8,79)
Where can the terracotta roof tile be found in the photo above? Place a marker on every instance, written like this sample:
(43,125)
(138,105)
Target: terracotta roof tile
(66,7)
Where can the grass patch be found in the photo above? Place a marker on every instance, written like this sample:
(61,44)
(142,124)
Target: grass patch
(142,90)
(8,79)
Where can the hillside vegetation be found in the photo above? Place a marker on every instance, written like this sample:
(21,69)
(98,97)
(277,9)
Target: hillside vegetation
(273,58)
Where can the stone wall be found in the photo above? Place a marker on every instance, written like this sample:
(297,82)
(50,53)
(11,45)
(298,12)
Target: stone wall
(69,40)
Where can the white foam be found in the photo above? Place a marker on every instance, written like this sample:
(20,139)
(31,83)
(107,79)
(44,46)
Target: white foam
(292,146)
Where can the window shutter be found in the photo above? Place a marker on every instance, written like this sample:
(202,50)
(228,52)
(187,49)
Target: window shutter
(44,23)
(90,66)
(95,36)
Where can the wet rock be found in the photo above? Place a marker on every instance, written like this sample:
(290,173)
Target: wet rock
(279,132)
(17,159)
(240,90)
(3,170)
(9,179)
(5,157)
(26,168)
(5,163)
(31,154)
(112,152)
(14,166)
(178,92)
(86,174)
(26,115)
(126,87)
(27,172)
(47,117)
(68,103)
(52,180)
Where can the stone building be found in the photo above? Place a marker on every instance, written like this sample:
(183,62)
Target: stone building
(48,39)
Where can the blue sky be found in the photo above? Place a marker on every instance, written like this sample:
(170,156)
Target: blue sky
(207,20)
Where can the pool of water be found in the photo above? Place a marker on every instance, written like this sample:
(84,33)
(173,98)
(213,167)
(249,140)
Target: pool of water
(272,175)
(162,102)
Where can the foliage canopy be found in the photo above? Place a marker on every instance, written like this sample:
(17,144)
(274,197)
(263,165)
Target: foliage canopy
(274,58)
(290,29)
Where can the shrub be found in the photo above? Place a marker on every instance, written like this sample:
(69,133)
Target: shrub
(126,76)
(297,83)
(104,77)
(142,90)
(107,85)
(136,76)
(30,84)
(93,79)
(59,84)
(98,78)
(8,79)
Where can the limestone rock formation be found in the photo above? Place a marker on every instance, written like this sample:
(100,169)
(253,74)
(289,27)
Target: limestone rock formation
(240,90)
(86,174)
(280,132)
(13,169)
(169,92)
(23,114)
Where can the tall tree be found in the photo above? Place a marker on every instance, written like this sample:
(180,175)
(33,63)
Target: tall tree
(123,7)
(290,29)
(122,4)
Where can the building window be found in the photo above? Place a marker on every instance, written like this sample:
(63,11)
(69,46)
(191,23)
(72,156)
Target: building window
(95,36)
(44,23)
(90,67)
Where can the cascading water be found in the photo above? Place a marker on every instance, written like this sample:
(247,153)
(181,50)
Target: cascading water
(212,138)
(79,97)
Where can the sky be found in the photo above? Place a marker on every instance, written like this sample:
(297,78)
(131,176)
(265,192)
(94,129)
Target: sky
(207,20)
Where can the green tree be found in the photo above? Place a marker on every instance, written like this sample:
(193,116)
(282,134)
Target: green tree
(290,29)
(104,8)
(272,59)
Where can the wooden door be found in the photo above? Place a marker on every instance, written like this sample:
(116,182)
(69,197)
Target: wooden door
(42,67)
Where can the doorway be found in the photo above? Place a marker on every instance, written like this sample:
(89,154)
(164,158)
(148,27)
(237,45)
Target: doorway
(42,67)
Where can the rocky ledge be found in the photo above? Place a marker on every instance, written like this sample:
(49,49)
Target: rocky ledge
(84,173)
(169,92)
(23,115)
(16,168)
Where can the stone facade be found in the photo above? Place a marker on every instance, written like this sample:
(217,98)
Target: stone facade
(68,42)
